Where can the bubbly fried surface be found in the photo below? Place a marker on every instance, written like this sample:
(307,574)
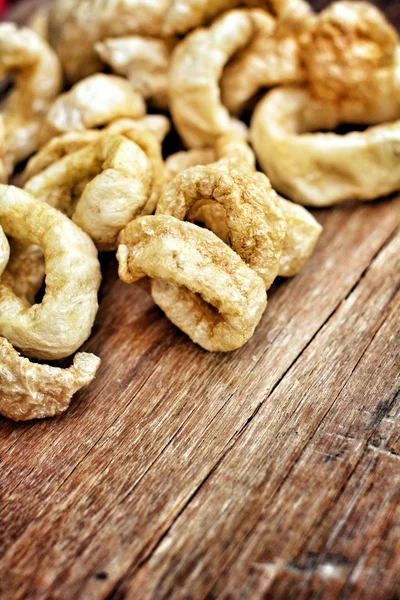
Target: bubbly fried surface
(255,224)
(105,184)
(144,61)
(94,101)
(205,288)
(34,391)
(37,76)
(321,169)
(57,326)
(196,67)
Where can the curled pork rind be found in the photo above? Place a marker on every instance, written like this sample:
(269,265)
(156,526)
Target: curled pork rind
(255,223)
(95,101)
(272,58)
(34,391)
(60,146)
(105,184)
(202,285)
(144,61)
(233,152)
(321,169)
(184,15)
(57,326)
(196,67)
(76,25)
(37,77)
(351,58)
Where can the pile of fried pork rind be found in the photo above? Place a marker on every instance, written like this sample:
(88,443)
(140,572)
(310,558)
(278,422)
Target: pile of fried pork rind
(210,230)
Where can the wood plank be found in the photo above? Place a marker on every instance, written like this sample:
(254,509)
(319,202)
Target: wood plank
(245,503)
(160,449)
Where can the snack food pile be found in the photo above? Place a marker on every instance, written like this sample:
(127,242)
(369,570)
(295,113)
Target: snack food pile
(208,228)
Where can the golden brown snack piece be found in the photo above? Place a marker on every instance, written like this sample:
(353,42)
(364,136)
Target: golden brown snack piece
(184,15)
(57,326)
(144,61)
(104,185)
(202,285)
(34,391)
(233,152)
(196,67)
(272,58)
(94,101)
(321,169)
(76,25)
(256,225)
(60,146)
(179,161)
(302,235)
(25,271)
(351,58)
(37,80)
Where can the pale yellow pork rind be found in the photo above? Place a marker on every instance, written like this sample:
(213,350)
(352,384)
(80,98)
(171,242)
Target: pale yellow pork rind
(93,102)
(105,184)
(37,76)
(184,15)
(144,61)
(60,146)
(233,152)
(321,169)
(76,25)
(202,285)
(196,67)
(255,223)
(351,56)
(34,391)
(272,58)
(60,324)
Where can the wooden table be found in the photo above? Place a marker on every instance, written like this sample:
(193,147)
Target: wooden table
(272,472)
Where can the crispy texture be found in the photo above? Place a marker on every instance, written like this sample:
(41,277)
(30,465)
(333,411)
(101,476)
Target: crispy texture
(57,326)
(321,169)
(76,25)
(25,271)
(184,15)
(196,67)
(270,59)
(37,80)
(95,101)
(60,146)
(33,391)
(256,225)
(102,186)
(202,285)
(144,61)
(351,61)
(302,229)
(179,161)
(302,234)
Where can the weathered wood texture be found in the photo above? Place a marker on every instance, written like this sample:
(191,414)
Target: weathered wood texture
(272,472)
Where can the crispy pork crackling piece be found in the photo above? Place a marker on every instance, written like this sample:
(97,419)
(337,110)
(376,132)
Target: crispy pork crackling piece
(60,324)
(201,284)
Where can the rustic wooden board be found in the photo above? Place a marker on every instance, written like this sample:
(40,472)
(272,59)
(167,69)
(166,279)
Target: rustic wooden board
(271,472)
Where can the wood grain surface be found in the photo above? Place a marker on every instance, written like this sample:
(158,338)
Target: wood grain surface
(269,473)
